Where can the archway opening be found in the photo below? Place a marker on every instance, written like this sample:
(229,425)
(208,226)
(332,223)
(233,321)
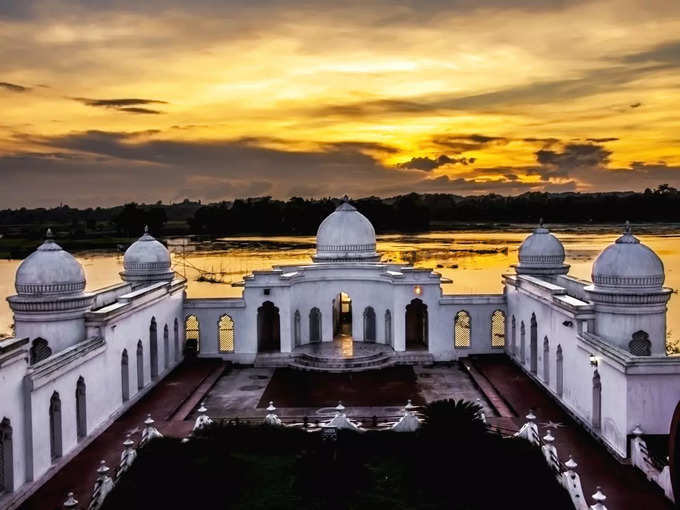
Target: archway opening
(268,328)
(369,324)
(342,315)
(153,348)
(315,325)
(81,409)
(533,345)
(125,376)
(416,325)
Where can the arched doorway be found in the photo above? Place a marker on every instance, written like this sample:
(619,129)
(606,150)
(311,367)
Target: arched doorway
(416,325)
(192,335)
(388,328)
(546,361)
(522,343)
(297,328)
(342,315)
(176,333)
(55,427)
(81,409)
(6,457)
(268,328)
(315,325)
(597,401)
(166,346)
(533,346)
(559,371)
(140,365)
(125,376)
(513,338)
(153,348)
(461,330)
(369,324)
(498,329)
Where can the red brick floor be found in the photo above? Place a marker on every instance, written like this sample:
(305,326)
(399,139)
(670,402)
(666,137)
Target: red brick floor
(161,402)
(624,486)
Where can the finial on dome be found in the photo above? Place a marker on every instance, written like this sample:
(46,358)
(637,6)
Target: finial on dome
(345,198)
(49,236)
(146,229)
(627,229)
(540,222)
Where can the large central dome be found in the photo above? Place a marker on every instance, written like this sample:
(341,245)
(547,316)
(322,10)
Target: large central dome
(345,235)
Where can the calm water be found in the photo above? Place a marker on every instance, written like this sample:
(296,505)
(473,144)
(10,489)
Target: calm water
(473,260)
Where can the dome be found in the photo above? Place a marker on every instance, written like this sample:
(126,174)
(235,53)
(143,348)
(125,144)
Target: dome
(541,253)
(147,260)
(345,235)
(49,270)
(628,264)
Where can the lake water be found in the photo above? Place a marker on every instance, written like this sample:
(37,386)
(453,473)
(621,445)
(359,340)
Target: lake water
(473,260)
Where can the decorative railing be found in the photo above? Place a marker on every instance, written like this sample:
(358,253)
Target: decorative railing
(655,469)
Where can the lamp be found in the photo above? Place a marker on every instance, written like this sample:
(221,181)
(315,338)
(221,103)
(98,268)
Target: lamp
(417,290)
(593,360)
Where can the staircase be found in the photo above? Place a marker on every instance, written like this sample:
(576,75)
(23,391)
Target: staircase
(320,363)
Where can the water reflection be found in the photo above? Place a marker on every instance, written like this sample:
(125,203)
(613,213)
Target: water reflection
(474,261)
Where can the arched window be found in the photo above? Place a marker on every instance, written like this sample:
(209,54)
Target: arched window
(522,343)
(125,376)
(192,334)
(314,325)
(40,350)
(297,331)
(176,333)
(546,361)
(81,408)
(369,324)
(153,348)
(597,401)
(55,426)
(533,347)
(461,330)
(498,329)
(513,340)
(225,334)
(6,457)
(559,371)
(640,345)
(140,365)
(388,327)
(166,346)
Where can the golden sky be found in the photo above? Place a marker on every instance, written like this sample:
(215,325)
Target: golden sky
(106,102)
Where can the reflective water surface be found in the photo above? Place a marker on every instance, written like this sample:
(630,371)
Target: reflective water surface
(474,261)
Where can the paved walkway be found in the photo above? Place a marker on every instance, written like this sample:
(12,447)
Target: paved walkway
(625,487)
(164,403)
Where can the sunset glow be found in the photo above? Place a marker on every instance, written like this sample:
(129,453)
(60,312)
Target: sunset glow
(107,102)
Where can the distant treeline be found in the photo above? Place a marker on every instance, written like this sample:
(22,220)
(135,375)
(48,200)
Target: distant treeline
(411,212)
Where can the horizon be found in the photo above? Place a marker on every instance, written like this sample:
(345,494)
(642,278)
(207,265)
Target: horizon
(292,98)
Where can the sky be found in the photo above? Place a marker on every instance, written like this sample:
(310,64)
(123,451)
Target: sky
(104,102)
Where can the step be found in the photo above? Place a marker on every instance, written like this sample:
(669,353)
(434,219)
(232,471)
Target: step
(338,370)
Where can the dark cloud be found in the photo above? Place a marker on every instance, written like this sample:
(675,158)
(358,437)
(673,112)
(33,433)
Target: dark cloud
(467,142)
(636,105)
(602,140)
(128,105)
(668,53)
(574,156)
(427,164)
(13,87)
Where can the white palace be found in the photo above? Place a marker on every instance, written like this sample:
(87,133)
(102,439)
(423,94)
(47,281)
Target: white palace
(79,359)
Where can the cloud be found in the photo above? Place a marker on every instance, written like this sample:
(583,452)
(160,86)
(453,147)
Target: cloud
(467,142)
(602,140)
(13,87)
(129,105)
(574,156)
(427,164)
(667,53)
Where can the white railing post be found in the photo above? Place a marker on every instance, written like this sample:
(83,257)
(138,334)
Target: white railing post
(550,452)
(150,431)
(272,418)
(71,502)
(203,420)
(102,487)
(599,499)
(128,455)
(572,482)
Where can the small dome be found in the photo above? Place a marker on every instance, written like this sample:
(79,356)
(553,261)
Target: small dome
(345,235)
(541,253)
(628,264)
(147,260)
(49,271)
